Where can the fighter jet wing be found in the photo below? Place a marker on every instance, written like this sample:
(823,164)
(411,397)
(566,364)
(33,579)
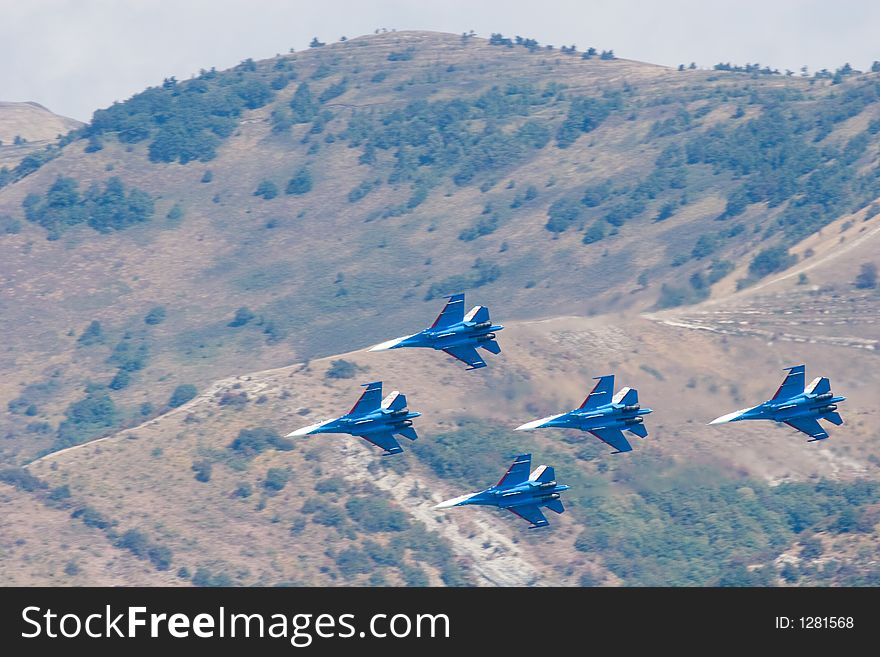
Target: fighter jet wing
(467,355)
(452,313)
(613,437)
(530,512)
(793,384)
(370,400)
(809,426)
(386,441)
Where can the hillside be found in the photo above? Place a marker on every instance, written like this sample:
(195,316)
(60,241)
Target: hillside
(235,523)
(189,264)
(26,128)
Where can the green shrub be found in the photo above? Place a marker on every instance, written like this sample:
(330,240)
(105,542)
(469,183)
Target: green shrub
(155,316)
(276,479)
(562,214)
(771,260)
(242,316)
(203,470)
(175,213)
(341,369)
(182,394)
(87,418)
(92,517)
(375,514)
(301,183)
(93,334)
(256,440)
(21,479)
(352,561)
(267,189)
(121,380)
(205,577)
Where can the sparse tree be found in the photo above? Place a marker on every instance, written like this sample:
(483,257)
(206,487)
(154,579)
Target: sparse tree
(182,394)
(867,277)
(267,189)
(301,183)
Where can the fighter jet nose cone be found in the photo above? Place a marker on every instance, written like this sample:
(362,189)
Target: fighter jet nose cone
(456,501)
(389,344)
(536,424)
(304,431)
(730,417)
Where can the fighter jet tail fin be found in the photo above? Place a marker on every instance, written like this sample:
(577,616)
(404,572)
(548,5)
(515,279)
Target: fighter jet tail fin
(601,392)
(452,313)
(819,386)
(396,401)
(477,315)
(370,399)
(556,506)
(626,396)
(793,384)
(408,432)
(833,418)
(639,429)
(517,473)
(491,345)
(543,473)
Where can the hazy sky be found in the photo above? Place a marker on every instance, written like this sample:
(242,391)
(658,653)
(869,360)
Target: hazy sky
(75,56)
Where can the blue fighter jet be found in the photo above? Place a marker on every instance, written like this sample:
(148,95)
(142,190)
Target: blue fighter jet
(372,418)
(519,492)
(603,415)
(457,334)
(798,406)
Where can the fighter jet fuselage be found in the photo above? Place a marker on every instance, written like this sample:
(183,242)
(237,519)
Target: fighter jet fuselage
(799,406)
(603,415)
(520,492)
(530,493)
(456,333)
(610,416)
(372,418)
(802,406)
(378,421)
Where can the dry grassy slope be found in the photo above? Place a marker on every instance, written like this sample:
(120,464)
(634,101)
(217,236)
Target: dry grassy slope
(546,366)
(34,123)
(37,548)
(221,256)
(824,309)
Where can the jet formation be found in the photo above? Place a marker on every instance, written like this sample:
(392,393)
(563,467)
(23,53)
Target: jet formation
(372,418)
(603,415)
(520,492)
(457,334)
(800,407)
